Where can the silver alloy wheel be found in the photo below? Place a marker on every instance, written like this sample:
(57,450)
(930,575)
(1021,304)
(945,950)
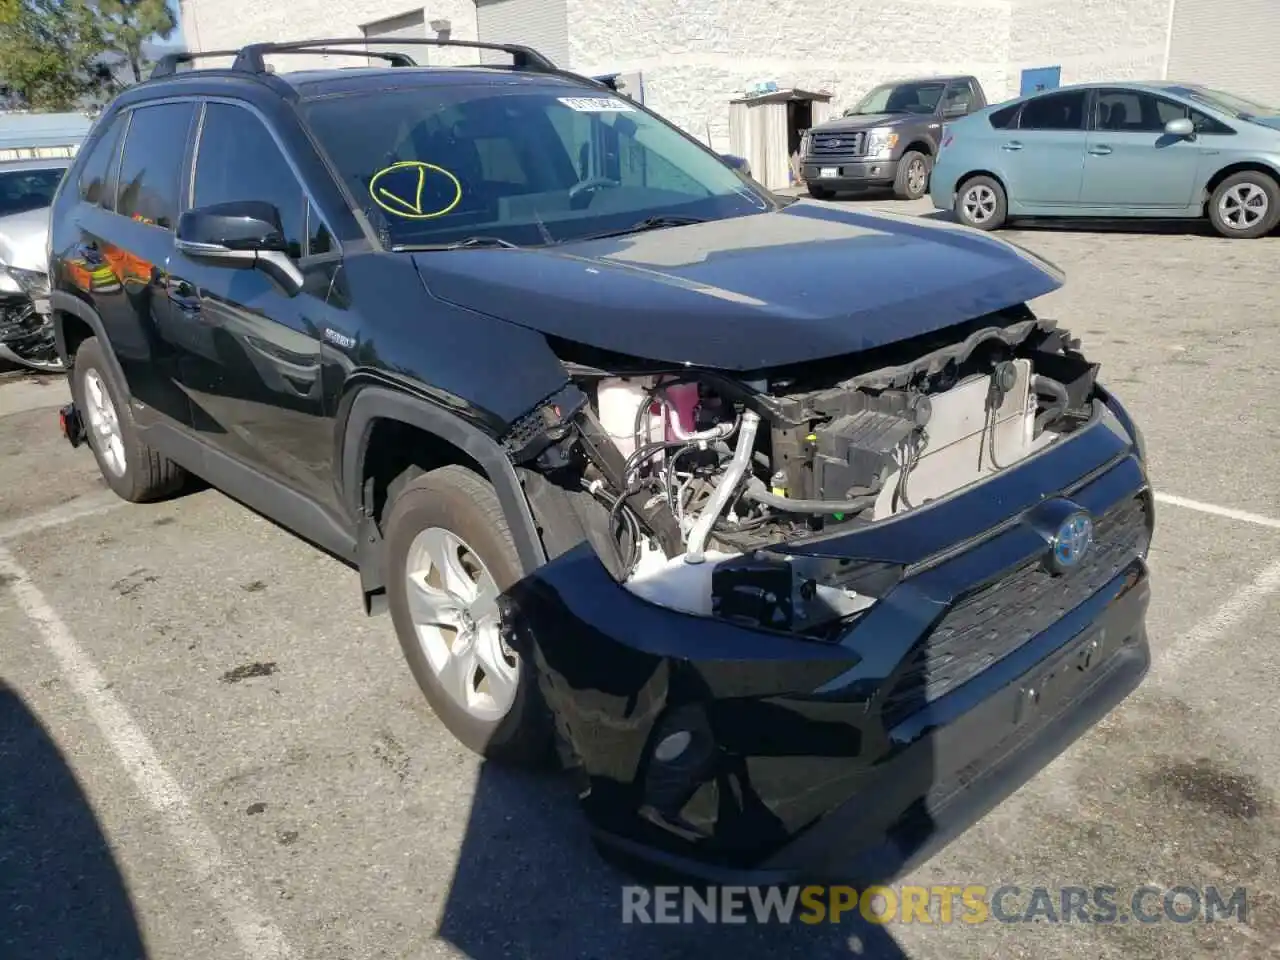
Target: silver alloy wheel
(104,423)
(979,203)
(1243,205)
(453,601)
(917,175)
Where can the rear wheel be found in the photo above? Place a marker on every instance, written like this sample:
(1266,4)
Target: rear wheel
(981,203)
(820,193)
(1245,205)
(913,176)
(449,556)
(131,468)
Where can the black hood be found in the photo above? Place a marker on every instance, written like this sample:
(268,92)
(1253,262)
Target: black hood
(797,284)
(869,120)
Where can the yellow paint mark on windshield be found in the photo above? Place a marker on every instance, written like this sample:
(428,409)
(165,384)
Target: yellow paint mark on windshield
(402,196)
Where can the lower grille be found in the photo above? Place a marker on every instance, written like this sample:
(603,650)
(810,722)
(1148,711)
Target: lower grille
(993,621)
(837,144)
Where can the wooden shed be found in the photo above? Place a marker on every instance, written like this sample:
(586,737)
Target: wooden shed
(765,129)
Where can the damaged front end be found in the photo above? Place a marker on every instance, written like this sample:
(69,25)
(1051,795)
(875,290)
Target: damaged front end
(812,599)
(26,322)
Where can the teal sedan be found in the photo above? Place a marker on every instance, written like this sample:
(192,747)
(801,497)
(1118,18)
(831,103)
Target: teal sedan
(1103,150)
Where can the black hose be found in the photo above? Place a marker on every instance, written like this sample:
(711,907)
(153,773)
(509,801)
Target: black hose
(1050,387)
(757,491)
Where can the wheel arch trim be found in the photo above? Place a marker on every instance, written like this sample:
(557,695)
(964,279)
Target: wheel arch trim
(1239,165)
(373,403)
(63,303)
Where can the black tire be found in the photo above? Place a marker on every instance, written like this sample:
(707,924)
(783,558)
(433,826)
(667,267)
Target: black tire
(460,501)
(1230,188)
(906,186)
(995,216)
(820,193)
(147,475)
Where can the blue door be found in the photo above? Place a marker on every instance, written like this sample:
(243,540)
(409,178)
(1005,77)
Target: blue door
(1040,78)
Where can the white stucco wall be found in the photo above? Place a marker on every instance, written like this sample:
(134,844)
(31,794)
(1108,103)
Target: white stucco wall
(696,55)
(1090,39)
(229,24)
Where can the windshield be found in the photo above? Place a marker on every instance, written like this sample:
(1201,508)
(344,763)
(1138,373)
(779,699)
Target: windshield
(526,165)
(899,98)
(23,190)
(1229,103)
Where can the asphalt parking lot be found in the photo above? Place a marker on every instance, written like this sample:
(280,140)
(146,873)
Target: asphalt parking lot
(207,751)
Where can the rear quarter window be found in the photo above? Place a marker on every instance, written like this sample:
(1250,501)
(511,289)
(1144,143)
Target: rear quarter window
(94,174)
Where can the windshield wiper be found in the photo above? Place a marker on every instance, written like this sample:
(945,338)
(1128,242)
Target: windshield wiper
(648,223)
(468,243)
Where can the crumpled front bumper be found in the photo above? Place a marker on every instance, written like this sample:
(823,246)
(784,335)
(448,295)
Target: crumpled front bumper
(741,755)
(26,332)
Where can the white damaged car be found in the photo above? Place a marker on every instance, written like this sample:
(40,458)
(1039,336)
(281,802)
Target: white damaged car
(27,188)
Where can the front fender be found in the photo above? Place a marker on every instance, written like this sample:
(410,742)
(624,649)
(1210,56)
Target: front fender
(371,403)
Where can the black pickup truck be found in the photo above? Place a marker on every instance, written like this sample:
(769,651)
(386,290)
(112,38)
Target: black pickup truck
(888,138)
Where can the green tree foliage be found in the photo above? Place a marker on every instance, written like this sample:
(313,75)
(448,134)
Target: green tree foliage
(128,23)
(50,52)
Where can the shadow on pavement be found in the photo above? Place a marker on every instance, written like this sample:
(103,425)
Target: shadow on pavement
(62,897)
(529,883)
(1150,228)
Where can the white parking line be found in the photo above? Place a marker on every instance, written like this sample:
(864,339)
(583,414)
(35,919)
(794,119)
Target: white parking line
(1242,605)
(1230,513)
(257,933)
(78,509)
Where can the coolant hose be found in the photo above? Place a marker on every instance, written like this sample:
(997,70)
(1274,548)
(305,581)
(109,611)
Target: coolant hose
(1049,387)
(696,549)
(757,491)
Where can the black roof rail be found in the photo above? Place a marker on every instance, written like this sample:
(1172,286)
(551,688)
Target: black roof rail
(167,65)
(250,58)
(393,58)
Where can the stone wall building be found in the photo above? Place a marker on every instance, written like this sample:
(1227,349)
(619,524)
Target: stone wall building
(691,57)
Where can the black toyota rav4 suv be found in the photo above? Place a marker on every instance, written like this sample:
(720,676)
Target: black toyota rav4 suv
(792,530)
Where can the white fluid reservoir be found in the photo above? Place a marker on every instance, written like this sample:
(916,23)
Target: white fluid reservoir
(620,400)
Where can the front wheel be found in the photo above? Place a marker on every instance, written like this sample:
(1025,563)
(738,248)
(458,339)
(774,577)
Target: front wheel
(913,176)
(981,203)
(1245,205)
(449,556)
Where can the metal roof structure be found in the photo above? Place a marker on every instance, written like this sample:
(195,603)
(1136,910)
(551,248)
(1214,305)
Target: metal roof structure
(35,135)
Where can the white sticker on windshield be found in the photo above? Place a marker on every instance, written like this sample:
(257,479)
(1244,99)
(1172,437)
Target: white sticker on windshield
(597,105)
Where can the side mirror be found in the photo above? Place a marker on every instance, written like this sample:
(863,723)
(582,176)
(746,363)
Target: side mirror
(1181,127)
(243,234)
(956,109)
(738,163)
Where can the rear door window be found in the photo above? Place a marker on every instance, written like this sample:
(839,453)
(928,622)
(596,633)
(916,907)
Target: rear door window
(151,166)
(1055,111)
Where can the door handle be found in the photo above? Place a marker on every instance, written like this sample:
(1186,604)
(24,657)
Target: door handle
(1012,145)
(1101,150)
